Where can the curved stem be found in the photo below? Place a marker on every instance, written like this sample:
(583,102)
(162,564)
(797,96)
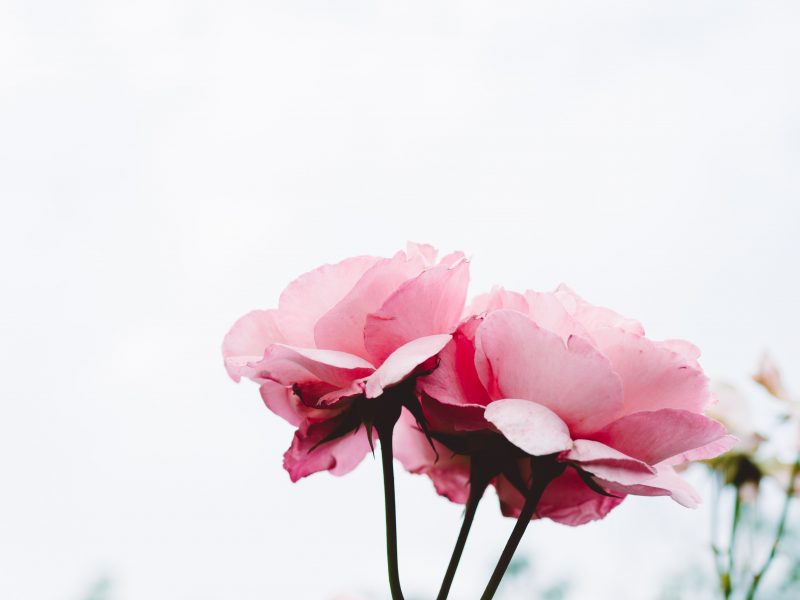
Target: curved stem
(544,469)
(476,488)
(793,475)
(385,431)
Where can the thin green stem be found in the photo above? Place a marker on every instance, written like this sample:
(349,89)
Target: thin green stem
(727,579)
(385,431)
(544,469)
(717,554)
(477,487)
(793,475)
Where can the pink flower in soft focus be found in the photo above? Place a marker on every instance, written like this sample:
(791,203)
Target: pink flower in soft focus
(555,375)
(732,409)
(342,334)
(769,376)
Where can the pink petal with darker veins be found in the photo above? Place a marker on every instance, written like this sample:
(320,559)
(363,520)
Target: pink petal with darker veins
(515,358)
(429,304)
(339,456)
(342,327)
(655,436)
(313,294)
(653,376)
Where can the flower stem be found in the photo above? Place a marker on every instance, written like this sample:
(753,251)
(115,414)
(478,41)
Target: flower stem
(727,579)
(793,475)
(544,469)
(385,430)
(715,550)
(477,485)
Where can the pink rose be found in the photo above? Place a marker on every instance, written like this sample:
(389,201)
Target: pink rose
(340,336)
(555,375)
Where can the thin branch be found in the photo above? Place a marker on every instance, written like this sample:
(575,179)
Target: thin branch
(793,475)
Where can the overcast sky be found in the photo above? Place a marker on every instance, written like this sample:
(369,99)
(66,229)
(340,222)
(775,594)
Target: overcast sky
(167,166)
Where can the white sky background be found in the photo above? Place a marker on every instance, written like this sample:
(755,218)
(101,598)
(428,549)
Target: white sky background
(167,166)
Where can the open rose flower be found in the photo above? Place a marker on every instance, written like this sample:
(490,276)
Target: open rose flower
(341,335)
(551,374)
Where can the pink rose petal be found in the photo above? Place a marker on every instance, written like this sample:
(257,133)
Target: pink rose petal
(665,483)
(607,463)
(287,364)
(529,426)
(653,376)
(248,339)
(654,436)
(313,294)
(429,304)
(339,456)
(403,361)
(518,359)
(342,327)
(455,381)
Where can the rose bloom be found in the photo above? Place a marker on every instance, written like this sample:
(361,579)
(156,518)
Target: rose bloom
(551,374)
(341,334)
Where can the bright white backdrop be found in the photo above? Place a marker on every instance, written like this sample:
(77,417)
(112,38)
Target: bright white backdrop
(167,166)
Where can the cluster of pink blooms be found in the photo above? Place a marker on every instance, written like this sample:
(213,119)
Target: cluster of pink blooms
(502,379)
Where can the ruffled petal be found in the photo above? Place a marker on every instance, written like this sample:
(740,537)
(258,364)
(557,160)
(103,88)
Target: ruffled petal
(655,436)
(548,312)
(453,418)
(403,361)
(653,376)
(424,251)
(455,381)
(339,456)
(289,365)
(452,259)
(685,348)
(666,482)
(429,304)
(342,327)
(595,317)
(515,358)
(247,340)
(710,450)
(608,464)
(529,426)
(498,298)
(280,400)
(313,294)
